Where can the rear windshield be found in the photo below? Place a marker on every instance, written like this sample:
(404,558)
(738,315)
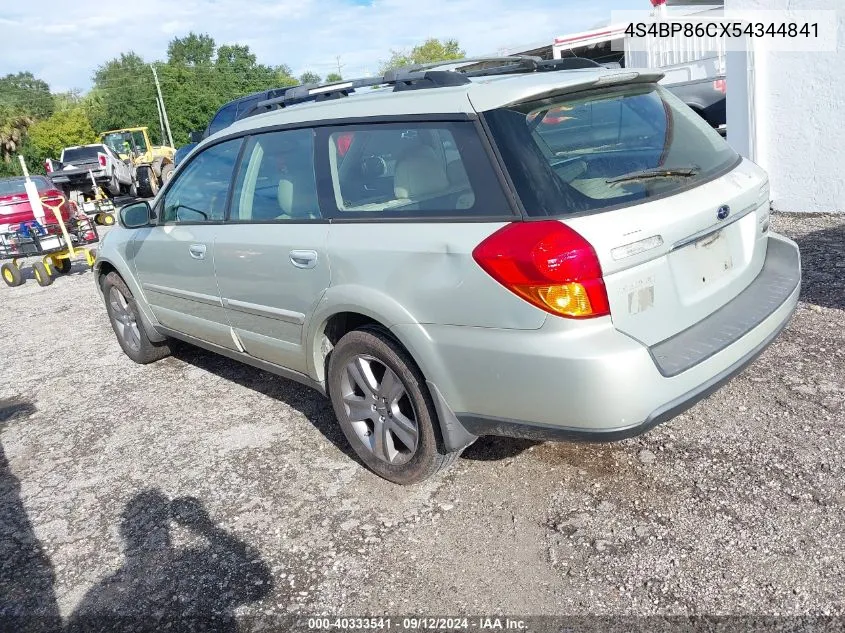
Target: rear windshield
(81,154)
(15,186)
(606,149)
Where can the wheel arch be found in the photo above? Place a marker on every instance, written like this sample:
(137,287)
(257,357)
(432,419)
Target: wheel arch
(104,266)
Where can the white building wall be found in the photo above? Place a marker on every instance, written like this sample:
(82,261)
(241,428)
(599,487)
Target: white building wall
(798,110)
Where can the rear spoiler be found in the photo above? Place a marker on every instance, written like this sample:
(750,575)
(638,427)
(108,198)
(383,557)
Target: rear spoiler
(482,102)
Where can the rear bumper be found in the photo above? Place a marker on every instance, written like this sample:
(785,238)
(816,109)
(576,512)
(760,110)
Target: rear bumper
(592,382)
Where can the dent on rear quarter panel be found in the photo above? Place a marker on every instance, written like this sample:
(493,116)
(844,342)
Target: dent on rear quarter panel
(427,272)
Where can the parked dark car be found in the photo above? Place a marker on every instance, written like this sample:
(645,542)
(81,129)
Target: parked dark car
(225,116)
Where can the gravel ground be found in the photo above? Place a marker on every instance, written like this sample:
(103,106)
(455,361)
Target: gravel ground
(199,485)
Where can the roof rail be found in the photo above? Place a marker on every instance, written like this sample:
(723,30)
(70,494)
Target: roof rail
(523,59)
(419,77)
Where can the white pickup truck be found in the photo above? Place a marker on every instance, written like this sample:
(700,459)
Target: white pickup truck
(78,165)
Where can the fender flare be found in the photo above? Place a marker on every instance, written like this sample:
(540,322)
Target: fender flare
(148,320)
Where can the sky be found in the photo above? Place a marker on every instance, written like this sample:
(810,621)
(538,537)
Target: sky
(63,42)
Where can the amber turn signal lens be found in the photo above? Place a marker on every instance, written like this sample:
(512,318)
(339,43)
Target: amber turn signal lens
(567,299)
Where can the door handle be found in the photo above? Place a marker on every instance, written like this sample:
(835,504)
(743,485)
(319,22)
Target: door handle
(303,259)
(197,251)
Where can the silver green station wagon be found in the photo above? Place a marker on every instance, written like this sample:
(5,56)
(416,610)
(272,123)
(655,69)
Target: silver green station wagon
(518,249)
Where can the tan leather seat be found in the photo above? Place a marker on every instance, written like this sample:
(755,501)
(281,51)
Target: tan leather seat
(284,195)
(420,174)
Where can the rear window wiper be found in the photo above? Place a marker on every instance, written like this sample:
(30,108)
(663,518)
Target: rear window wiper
(660,172)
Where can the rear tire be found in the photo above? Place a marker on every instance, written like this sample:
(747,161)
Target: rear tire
(62,266)
(11,275)
(384,408)
(126,322)
(114,187)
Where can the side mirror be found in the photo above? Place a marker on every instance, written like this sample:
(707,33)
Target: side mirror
(136,215)
(195,137)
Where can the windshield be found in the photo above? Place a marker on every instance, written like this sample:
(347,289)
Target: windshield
(81,154)
(15,186)
(126,142)
(604,149)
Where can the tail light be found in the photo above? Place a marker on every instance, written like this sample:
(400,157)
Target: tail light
(549,265)
(48,166)
(720,85)
(102,159)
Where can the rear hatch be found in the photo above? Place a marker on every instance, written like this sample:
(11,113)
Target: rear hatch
(678,221)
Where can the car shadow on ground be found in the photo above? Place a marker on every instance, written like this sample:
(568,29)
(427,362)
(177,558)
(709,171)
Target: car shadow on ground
(311,404)
(318,409)
(494,449)
(823,267)
(159,587)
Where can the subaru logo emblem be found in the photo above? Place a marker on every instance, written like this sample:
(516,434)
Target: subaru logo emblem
(723,212)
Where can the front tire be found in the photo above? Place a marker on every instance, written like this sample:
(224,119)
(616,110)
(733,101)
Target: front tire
(42,275)
(384,408)
(126,323)
(147,182)
(166,173)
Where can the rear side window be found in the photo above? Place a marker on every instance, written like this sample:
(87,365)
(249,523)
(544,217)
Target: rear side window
(606,149)
(276,179)
(394,170)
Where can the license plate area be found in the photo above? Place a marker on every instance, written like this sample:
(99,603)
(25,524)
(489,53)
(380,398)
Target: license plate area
(702,263)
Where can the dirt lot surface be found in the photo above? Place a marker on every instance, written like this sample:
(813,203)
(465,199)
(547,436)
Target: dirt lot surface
(199,485)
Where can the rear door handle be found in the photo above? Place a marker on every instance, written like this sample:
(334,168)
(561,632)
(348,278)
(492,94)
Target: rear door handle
(197,251)
(303,259)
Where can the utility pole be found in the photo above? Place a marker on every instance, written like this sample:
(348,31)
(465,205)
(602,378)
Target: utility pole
(339,66)
(163,109)
(161,122)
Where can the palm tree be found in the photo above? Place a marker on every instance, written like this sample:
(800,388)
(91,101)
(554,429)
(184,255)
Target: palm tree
(13,127)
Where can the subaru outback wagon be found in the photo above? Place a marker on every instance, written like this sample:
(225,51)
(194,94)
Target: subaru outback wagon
(550,254)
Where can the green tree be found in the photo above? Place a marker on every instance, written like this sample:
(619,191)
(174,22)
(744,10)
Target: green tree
(191,50)
(23,94)
(334,77)
(123,95)
(310,78)
(65,128)
(432,50)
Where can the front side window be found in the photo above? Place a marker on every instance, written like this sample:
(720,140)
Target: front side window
(140,141)
(408,170)
(199,191)
(602,149)
(276,179)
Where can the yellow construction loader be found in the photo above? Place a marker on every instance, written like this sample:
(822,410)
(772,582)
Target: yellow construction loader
(152,164)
